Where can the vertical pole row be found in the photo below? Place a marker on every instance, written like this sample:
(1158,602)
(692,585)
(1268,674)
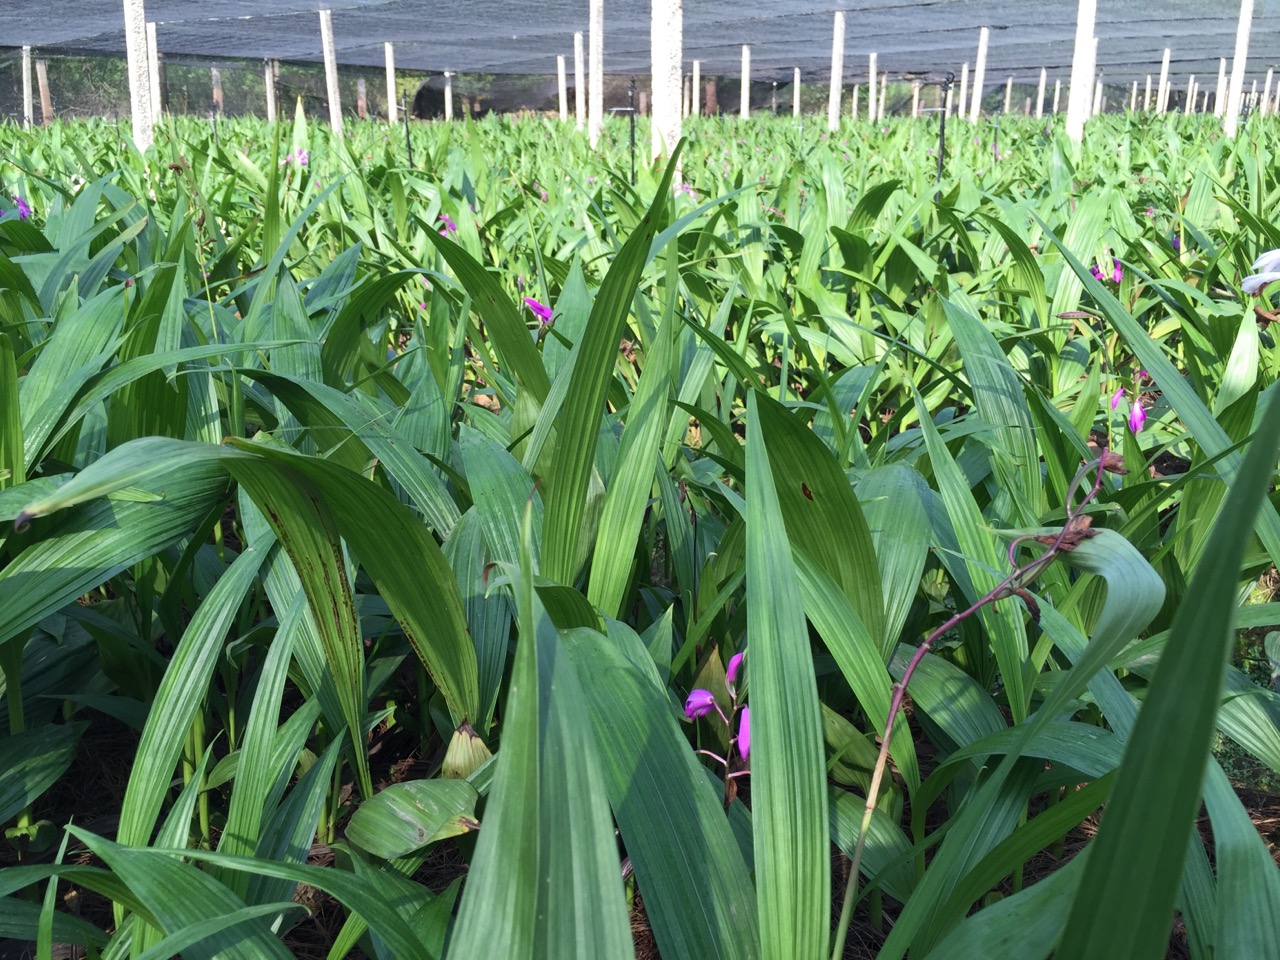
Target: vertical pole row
(837,73)
(135,40)
(331,71)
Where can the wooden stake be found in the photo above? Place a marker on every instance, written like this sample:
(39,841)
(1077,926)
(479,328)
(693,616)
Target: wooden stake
(1264,105)
(1057,94)
(695,107)
(1133,98)
(795,93)
(215,83)
(1008,94)
(389,55)
(46,101)
(362,99)
(331,71)
(854,97)
(135,39)
(562,84)
(915,99)
(1044,76)
(1146,97)
(979,74)
(837,72)
(962,111)
(1238,61)
(1082,67)
(1191,95)
(744,108)
(448,95)
(666,46)
(872,76)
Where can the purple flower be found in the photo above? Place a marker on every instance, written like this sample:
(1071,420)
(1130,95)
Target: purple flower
(744,733)
(449,225)
(24,211)
(1177,243)
(1137,416)
(731,675)
(1117,397)
(1117,273)
(1150,211)
(1097,274)
(544,313)
(700,703)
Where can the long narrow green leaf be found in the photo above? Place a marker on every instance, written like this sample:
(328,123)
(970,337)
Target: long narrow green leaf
(789,809)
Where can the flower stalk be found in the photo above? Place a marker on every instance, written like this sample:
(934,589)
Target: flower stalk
(1076,529)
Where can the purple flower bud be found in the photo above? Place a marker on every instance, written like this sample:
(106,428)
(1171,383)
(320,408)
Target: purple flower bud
(1117,272)
(1117,397)
(541,311)
(700,703)
(1137,416)
(24,211)
(731,675)
(744,733)
(1097,274)
(1177,243)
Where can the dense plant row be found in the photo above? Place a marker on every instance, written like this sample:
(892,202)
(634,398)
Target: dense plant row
(420,511)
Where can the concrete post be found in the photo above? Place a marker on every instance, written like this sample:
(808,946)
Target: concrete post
(135,40)
(595,92)
(1236,87)
(389,55)
(837,72)
(331,71)
(562,84)
(979,74)
(1082,66)
(666,55)
(153,71)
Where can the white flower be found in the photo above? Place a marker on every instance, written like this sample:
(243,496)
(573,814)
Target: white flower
(1254,285)
(1269,262)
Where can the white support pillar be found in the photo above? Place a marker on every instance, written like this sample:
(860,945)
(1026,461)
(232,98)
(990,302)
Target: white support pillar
(696,93)
(1146,97)
(153,71)
(389,55)
(595,63)
(1008,94)
(331,71)
(1220,94)
(579,83)
(795,93)
(1162,91)
(915,98)
(1264,105)
(872,76)
(1191,95)
(979,74)
(1082,66)
(28,98)
(1232,120)
(666,46)
(448,95)
(269,85)
(135,39)
(1057,94)
(963,110)
(837,72)
(744,107)
(1133,98)
(1044,76)
(562,84)
(853,96)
